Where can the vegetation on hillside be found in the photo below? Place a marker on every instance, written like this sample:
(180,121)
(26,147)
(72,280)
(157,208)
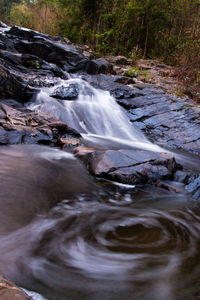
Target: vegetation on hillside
(165,29)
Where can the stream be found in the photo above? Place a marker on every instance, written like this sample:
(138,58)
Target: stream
(69,237)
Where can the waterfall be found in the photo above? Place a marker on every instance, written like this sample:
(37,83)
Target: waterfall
(95,114)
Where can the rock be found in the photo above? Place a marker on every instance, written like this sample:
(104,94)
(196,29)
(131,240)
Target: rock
(61,54)
(12,87)
(3,137)
(21,126)
(98,66)
(68,144)
(51,49)
(111,83)
(33,62)
(168,187)
(125,93)
(130,166)
(2,45)
(193,186)
(81,151)
(25,33)
(118,60)
(124,79)
(9,291)
(69,92)
(13,58)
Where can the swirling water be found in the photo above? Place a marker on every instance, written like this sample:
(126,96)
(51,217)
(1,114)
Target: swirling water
(93,241)
(111,244)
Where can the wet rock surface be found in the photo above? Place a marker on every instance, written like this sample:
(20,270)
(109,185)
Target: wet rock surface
(193,186)
(69,92)
(19,125)
(130,166)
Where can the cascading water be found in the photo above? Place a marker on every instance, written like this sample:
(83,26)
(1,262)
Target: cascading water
(96,115)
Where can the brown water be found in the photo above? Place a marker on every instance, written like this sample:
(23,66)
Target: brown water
(98,242)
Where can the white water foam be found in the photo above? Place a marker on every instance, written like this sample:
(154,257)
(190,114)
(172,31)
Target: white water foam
(96,115)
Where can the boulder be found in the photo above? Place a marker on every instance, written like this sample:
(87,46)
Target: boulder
(130,166)
(98,66)
(124,79)
(118,60)
(69,92)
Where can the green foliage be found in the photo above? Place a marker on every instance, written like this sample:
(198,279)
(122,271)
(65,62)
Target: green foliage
(35,64)
(5,8)
(132,72)
(179,92)
(136,28)
(137,72)
(198,77)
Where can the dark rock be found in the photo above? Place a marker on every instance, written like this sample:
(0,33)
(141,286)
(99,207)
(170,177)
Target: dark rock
(13,58)
(26,33)
(11,87)
(69,92)
(65,56)
(50,49)
(193,186)
(2,45)
(3,137)
(118,60)
(24,65)
(98,66)
(125,93)
(130,166)
(23,126)
(124,79)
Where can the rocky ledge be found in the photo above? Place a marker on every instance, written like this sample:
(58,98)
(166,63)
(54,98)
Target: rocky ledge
(19,125)
(130,166)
